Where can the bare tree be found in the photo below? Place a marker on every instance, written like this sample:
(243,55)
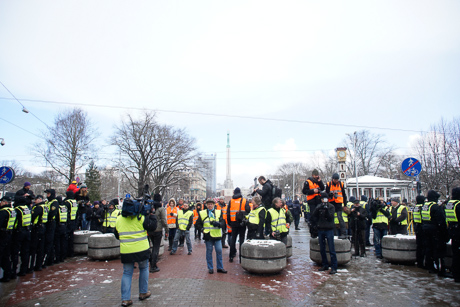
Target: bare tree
(370,151)
(152,153)
(67,143)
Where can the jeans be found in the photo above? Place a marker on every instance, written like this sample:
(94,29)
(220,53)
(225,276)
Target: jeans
(84,222)
(180,233)
(378,235)
(128,269)
(172,235)
(328,235)
(218,245)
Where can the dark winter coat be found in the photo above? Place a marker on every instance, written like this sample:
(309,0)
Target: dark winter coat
(296,209)
(358,221)
(97,218)
(324,214)
(266,194)
(21,199)
(395,221)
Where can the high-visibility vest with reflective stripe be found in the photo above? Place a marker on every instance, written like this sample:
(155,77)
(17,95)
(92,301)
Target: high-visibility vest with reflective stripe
(344,217)
(44,216)
(398,214)
(426,211)
(417,214)
(26,215)
(195,216)
(451,215)
(73,209)
(236,205)
(223,209)
(11,218)
(254,215)
(278,220)
(133,236)
(363,204)
(306,207)
(111,218)
(312,186)
(184,218)
(49,204)
(62,214)
(336,219)
(381,218)
(171,219)
(215,232)
(338,188)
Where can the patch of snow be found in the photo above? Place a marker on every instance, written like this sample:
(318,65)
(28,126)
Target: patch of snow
(107,281)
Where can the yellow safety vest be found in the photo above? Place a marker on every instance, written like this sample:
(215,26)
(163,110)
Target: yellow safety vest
(44,216)
(381,218)
(11,218)
(62,218)
(111,218)
(417,214)
(133,236)
(426,211)
(451,215)
(398,213)
(26,216)
(215,232)
(183,219)
(344,217)
(253,217)
(73,209)
(278,220)
(49,204)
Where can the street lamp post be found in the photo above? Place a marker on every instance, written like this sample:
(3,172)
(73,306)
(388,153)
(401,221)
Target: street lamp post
(354,161)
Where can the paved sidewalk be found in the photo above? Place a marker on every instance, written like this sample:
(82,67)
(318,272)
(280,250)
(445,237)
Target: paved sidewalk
(184,281)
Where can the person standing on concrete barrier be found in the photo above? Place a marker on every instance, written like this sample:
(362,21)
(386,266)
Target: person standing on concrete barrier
(338,197)
(131,229)
(110,216)
(419,235)
(398,218)
(358,219)
(237,211)
(211,223)
(278,220)
(312,187)
(156,236)
(266,192)
(452,217)
(324,214)
(184,223)
(256,220)
(379,214)
(7,220)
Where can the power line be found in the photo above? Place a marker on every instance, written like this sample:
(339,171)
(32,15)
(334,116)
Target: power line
(21,128)
(220,115)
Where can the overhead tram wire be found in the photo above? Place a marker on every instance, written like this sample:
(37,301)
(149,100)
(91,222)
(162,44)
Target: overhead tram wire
(220,115)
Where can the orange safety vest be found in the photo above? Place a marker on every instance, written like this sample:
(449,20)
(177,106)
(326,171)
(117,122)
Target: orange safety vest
(171,219)
(235,206)
(223,208)
(312,186)
(337,188)
(251,206)
(195,216)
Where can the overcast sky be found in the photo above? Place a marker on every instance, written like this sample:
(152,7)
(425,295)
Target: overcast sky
(387,64)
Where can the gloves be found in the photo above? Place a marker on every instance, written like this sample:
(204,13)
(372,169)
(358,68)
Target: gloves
(215,224)
(171,214)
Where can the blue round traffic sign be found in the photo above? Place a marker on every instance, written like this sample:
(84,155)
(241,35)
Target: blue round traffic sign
(411,167)
(6,174)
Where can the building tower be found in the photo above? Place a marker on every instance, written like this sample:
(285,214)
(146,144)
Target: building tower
(228,180)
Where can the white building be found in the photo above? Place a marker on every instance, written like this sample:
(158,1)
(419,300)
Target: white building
(374,187)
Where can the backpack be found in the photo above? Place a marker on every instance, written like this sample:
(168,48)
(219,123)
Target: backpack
(130,207)
(276,192)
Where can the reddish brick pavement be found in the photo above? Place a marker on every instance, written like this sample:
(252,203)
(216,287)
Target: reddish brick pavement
(294,283)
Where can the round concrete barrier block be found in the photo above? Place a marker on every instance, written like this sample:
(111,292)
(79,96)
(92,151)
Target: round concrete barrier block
(103,246)
(289,247)
(263,256)
(399,248)
(80,240)
(342,251)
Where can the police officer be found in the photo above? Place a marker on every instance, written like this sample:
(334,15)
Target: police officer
(278,220)
(52,205)
(60,235)
(37,240)
(72,209)
(110,217)
(419,235)
(312,187)
(7,221)
(256,219)
(21,237)
(452,217)
(211,223)
(433,223)
(379,215)
(131,230)
(398,219)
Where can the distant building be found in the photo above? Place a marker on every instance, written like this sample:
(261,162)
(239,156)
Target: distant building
(210,173)
(228,184)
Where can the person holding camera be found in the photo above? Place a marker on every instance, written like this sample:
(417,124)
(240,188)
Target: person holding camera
(211,222)
(96,219)
(337,197)
(358,220)
(111,214)
(256,220)
(184,223)
(324,214)
(237,211)
(398,218)
(131,229)
(222,206)
(278,220)
(379,214)
(312,187)
(266,191)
